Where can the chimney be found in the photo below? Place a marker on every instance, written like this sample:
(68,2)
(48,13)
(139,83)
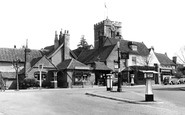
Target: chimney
(61,39)
(56,41)
(166,53)
(152,47)
(66,51)
(174,59)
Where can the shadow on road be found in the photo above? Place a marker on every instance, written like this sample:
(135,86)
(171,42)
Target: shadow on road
(171,89)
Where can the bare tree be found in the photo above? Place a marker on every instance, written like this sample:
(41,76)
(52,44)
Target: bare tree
(145,60)
(181,55)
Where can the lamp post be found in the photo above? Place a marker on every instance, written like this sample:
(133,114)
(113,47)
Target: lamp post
(119,76)
(16,66)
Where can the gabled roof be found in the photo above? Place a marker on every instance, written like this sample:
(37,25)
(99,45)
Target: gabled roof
(10,54)
(71,64)
(77,51)
(50,51)
(89,56)
(44,61)
(34,63)
(55,51)
(164,59)
(124,46)
(101,66)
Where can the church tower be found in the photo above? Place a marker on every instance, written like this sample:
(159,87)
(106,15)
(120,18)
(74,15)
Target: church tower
(105,29)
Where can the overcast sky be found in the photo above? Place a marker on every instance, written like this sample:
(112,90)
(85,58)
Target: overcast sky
(158,23)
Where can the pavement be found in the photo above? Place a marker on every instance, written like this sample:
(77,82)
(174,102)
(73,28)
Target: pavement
(125,96)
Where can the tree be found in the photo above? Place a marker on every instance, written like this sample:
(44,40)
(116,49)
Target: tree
(83,43)
(145,60)
(181,55)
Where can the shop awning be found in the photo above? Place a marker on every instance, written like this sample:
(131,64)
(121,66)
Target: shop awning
(148,71)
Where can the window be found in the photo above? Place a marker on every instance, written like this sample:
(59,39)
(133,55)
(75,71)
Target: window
(134,61)
(37,75)
(134,47)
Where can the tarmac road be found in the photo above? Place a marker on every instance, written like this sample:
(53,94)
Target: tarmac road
(75,102)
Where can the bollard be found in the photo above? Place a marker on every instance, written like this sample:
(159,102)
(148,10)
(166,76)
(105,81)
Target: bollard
(109,83)
(132,79)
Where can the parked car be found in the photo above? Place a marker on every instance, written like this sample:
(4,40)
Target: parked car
(182,80)
(166,81)
(174,81)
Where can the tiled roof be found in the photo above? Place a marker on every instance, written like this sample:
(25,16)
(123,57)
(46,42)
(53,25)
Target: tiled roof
(34,61)
(48,50)
(89,56)
(124,46)
(70,64)
(10,54)
(164,59)
(9,75)
(77,51)
(101,66)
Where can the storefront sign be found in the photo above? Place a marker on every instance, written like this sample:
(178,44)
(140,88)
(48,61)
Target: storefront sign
(124,55)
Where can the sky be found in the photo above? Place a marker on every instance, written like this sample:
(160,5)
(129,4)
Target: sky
(157,23)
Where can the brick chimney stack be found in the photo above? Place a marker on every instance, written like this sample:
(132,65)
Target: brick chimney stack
(174,59)
(61,38)
(66,51)
(56,41)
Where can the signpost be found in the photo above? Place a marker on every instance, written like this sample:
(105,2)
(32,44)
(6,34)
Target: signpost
(16,66)
(40,67)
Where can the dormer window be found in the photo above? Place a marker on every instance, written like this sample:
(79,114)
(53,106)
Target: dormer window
(134,47)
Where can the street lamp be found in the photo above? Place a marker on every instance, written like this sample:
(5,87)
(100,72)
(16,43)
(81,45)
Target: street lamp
(119,76)
(16,66)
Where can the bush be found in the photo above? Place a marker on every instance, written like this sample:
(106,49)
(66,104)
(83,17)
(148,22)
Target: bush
(29,82)
(46,84)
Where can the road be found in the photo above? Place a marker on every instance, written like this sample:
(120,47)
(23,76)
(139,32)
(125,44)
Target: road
(75,102)
(170,93)
(173,94)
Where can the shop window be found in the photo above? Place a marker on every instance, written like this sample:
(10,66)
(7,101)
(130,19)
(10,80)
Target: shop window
(81,76)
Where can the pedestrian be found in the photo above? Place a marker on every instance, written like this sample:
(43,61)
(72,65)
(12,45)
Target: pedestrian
(2,83)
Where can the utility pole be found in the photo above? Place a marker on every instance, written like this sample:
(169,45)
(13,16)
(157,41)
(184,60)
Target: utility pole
(16,66)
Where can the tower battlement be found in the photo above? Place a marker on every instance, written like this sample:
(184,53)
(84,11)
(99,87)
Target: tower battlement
(107,22)
(109,29)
